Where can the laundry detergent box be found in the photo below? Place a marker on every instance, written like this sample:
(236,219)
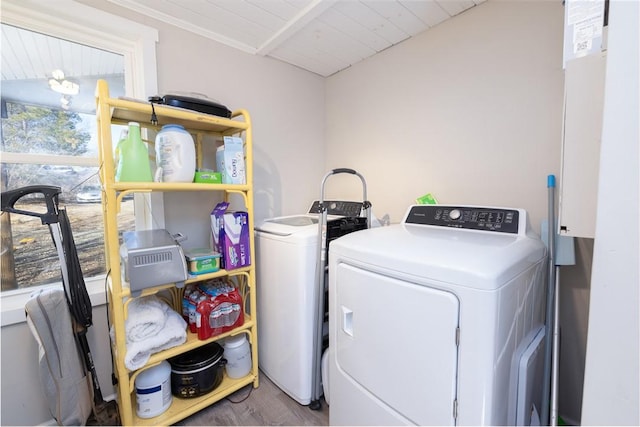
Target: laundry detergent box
(230,230)
(233,171)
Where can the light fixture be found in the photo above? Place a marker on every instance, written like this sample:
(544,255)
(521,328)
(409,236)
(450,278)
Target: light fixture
(65,102)
(59,84)
(58,74)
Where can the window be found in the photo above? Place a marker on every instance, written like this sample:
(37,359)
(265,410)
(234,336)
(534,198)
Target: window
(48,125)
(49,121)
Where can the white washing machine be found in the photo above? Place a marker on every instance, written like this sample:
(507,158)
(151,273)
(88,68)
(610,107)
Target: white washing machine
(438,320)
(286,277)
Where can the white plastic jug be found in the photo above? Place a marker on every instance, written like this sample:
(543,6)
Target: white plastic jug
(238,354)
(175,155)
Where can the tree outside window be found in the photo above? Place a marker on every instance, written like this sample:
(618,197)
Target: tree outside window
(48,137)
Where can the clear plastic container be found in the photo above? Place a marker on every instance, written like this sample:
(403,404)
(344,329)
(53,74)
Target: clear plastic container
(238,354)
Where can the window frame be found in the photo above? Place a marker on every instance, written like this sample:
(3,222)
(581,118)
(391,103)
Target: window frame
(83,24)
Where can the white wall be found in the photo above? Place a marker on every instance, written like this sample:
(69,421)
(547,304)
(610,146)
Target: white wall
(613,358)
(470,111)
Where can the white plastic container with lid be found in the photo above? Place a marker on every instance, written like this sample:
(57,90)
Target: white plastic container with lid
(175,155)
(238,354)
(153,390)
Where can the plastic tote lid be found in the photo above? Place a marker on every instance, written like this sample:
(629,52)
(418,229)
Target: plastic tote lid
(201,253)
(236,341)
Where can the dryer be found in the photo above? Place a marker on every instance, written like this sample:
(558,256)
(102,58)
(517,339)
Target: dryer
(437,320)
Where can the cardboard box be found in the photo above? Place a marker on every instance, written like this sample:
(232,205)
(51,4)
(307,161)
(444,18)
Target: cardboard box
(230,231)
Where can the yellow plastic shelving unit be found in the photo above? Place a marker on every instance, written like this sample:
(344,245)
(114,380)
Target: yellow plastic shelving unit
(110,111)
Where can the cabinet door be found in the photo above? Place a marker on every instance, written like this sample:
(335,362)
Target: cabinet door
(584,104)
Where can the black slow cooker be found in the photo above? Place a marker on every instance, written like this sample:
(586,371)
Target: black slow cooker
(198,371)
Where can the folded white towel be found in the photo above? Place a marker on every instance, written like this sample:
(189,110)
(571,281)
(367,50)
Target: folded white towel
(146,317)
(173,333)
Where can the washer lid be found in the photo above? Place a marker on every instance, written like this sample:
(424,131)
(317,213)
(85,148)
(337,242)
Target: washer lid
(287,225)
(295,221)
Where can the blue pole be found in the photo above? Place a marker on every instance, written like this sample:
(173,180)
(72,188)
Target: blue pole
(548,332)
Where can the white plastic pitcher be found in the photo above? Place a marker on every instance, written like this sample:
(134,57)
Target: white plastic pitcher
(175,155)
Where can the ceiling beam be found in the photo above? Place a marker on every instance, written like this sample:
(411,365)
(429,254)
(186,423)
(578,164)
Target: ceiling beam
(302,18)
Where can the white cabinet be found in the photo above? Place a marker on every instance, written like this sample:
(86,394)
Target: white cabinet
(584,105)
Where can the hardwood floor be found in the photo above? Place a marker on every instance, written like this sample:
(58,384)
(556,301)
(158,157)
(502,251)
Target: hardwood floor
(266,405)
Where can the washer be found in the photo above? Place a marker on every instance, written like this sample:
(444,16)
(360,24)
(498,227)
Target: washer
(430,319)
(287,253)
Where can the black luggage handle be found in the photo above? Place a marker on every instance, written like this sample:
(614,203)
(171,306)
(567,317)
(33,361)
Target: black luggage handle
(344,170)
(50,193)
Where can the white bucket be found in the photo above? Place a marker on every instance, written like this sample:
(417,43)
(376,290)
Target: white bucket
(238,354)
(153,390)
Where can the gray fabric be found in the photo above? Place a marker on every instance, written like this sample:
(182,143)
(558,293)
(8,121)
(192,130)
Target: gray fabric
(62,373)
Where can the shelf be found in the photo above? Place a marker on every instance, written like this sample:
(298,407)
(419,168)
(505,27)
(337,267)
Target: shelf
(125,291)
(177,186)
(180,408)
(124,110)
(112,111)
(193,342)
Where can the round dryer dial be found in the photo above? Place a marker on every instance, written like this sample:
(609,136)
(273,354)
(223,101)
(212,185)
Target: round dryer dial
(455,214)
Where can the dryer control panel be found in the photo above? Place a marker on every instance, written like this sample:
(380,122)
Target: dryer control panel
(467,217)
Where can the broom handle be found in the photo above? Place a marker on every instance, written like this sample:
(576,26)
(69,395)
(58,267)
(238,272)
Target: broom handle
(81,336)
(555,363)
(548,338)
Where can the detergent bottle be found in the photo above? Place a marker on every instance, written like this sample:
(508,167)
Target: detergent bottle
(124,134)
(133,157)
(175,155)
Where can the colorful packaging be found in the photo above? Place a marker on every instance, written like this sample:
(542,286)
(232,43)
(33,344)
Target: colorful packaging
(202,261)
(219,314)
(191,297)
(233,163)
(231,236)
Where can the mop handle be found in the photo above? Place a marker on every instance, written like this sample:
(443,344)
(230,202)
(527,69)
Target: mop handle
(549,320)
(50,193)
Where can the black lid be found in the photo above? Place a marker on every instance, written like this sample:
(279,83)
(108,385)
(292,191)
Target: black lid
(197,358)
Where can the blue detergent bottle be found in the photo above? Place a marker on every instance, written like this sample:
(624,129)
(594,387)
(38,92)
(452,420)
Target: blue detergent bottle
(133,158)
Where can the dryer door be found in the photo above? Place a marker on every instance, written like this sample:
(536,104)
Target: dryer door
(396,352)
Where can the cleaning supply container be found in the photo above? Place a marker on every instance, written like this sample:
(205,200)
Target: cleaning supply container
(133,157)
(175,155)
(238,354)
(153,390)
(202,261)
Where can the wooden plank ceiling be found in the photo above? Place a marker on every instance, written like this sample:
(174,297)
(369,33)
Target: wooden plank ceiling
(321,36)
